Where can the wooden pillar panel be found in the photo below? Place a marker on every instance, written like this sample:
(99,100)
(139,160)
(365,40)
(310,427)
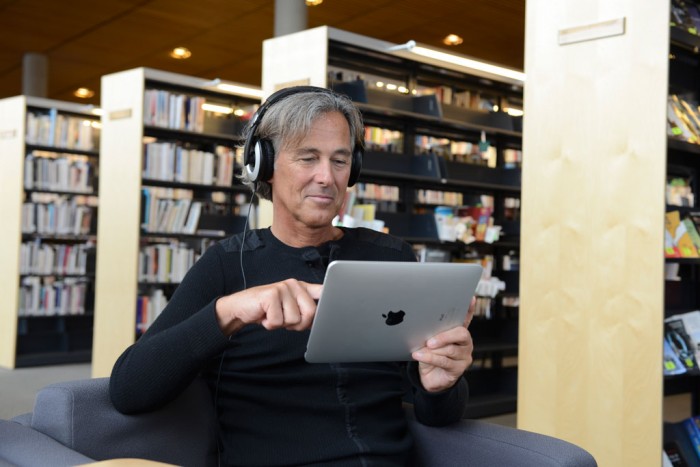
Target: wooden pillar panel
(594,151)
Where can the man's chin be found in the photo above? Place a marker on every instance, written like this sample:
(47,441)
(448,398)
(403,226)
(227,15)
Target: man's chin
(320,220)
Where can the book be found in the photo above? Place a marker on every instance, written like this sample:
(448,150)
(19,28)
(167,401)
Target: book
(677,241)
(193,218)
(673,456)
(672,365)
(692,230)
(680,342)
(693,430)
(677,445)
(691,323)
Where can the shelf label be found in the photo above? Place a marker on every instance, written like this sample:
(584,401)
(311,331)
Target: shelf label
(8,134)
(589,32)
(288,84)
(120,114)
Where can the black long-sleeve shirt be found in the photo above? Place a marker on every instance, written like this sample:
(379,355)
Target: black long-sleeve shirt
(274,408)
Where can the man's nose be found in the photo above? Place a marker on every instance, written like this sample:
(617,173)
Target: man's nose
(324,172)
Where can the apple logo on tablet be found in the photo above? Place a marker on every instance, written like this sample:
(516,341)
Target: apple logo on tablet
(394,317)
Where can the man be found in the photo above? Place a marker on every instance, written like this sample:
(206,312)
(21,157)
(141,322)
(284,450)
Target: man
(242,315)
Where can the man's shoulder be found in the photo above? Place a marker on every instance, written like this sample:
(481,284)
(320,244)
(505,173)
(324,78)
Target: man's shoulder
(233,244)
(380,239)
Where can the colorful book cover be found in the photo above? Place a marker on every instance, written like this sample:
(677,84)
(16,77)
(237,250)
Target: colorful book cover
(678,242)
(672,366)
(680,342)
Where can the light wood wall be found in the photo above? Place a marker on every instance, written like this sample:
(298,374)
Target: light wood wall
(12,131)
(118,222)
(594,143)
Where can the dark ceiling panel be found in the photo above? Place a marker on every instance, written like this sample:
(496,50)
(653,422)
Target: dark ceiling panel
(84,39)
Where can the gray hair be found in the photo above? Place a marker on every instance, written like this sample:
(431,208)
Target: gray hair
(287,122)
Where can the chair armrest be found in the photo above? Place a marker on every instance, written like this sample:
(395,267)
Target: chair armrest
(480,444)
(23,446)
(23,419)
(80,415)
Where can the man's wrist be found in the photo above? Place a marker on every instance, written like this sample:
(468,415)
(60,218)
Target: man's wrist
(226,318)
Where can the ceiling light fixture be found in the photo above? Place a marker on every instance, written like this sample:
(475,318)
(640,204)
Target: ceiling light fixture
(219,109)
(237,89)
(180,53)
(459,60)
(313,2)
(469,63)
(84,93)
(452,39)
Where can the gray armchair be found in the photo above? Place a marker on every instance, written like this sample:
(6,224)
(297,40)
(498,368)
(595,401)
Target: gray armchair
(75,423)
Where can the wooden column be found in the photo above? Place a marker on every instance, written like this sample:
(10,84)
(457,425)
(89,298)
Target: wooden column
(592,266)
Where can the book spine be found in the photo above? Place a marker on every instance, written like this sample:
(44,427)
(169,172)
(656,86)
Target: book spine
(693,432)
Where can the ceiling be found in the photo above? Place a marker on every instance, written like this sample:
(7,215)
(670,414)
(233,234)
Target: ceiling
(85,39)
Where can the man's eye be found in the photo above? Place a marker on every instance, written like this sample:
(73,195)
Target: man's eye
(341,162)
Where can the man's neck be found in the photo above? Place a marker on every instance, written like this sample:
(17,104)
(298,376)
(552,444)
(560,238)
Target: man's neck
(306,236)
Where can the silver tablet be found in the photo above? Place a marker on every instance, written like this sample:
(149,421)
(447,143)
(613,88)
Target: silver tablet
(383,311)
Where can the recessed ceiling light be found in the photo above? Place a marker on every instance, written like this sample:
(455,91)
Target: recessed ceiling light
(452,39)
(180,53)
(84,93)
(313,2)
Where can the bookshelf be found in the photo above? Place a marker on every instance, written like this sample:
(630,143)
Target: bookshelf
(48,188)
(169,157)
(682,273)
(426,155)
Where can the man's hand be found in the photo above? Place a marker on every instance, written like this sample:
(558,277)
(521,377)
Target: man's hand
(446,356)
(290,304)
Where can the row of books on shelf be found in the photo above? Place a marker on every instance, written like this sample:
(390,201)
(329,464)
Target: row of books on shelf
(60,216)
(479,153)
(681,237)
(170,161)
(41,258)
(449,198)
(165,263)
(169,210)
(46,296)
(682,343)
(175,111)
(377,192)
(392,193)
(62,131)
(465,98)
(383,139)
(52,171)
(148,307)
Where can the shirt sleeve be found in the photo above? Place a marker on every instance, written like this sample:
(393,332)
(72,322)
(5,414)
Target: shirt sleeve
(439,408)
(182,340)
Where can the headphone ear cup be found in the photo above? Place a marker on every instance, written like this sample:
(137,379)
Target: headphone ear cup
(265,155)
(355,167)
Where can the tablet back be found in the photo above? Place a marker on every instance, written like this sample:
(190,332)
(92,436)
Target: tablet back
(382,311)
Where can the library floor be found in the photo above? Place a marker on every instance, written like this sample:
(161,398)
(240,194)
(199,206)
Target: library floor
(20,386)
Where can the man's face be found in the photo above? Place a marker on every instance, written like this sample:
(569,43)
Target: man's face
(310,180)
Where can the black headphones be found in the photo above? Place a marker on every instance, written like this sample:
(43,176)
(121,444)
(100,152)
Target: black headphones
(259,154)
